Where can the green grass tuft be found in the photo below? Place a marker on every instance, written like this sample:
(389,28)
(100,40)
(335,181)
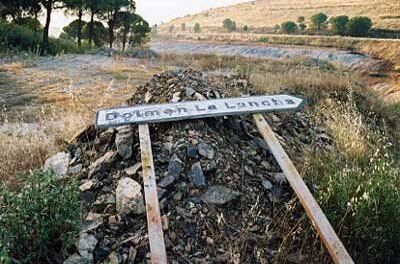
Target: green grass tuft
(40,222)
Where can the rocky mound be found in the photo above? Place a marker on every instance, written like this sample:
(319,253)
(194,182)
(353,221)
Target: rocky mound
(218,185)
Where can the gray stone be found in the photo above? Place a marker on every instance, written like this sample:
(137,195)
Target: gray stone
(191,151)
(280,178)
(105,199)
(167,181)
(210,165)
(129,197)
(132,255)
(124,142)
(59,163)
(76,259)
(189,91)
(75,169)
(96,166)
(206,150)
(87,244)
(174,167)
(267,184)
(219,195)
(196,175)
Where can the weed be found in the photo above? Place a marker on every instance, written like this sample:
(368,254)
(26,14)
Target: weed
(41,220)
(361,200)
(121,76)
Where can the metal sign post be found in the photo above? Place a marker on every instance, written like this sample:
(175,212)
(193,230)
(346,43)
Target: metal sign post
(145,114)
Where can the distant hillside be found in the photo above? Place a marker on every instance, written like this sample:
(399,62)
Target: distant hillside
(262,15)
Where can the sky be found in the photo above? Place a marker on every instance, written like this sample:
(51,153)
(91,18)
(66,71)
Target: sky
(154,11)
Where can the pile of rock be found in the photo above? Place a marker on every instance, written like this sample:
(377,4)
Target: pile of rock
(218,184)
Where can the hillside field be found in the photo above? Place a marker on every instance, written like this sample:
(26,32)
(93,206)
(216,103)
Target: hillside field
(262,15)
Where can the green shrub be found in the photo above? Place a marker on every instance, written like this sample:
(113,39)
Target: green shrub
(197,28)
(60,46)
(40,221)
(359,26)
(289,27)
(264,39)
(4,259)
(339,24)
(18,37)
(318,20)
(229,25)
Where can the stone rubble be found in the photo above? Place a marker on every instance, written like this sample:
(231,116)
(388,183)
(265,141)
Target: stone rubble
(218,184)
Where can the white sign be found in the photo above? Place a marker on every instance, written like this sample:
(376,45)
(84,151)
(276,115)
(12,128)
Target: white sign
(196,109)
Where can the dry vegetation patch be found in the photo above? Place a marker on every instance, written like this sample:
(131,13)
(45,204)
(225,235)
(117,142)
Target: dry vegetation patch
(53,99)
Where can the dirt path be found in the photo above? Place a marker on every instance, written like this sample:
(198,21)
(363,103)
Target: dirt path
(345,58)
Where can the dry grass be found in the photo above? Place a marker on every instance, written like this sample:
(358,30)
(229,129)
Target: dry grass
(62,106)
(263,14)
(346,126)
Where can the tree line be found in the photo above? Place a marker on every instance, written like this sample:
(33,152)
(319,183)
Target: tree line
(119,16)
(320,23)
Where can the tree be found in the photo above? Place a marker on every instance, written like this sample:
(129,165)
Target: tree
(140,31)
(110,11)
(49,6)
(302,25)
(183,27)
(197,28)
(77,7)
(125,20)
(74,29)
(277,28)
(12,8)
(318,20)
(97,33)
(229,25)
(339,24)
(246,28)
(359,26)
(94,7)
(289,27)
(35,9)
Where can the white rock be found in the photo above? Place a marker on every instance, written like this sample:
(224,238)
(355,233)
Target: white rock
(147,97)
(129,197)
(59,163)
(176,97)
(133,170)
(86,186)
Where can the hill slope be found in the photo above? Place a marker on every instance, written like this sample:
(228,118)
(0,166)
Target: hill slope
(264,14)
